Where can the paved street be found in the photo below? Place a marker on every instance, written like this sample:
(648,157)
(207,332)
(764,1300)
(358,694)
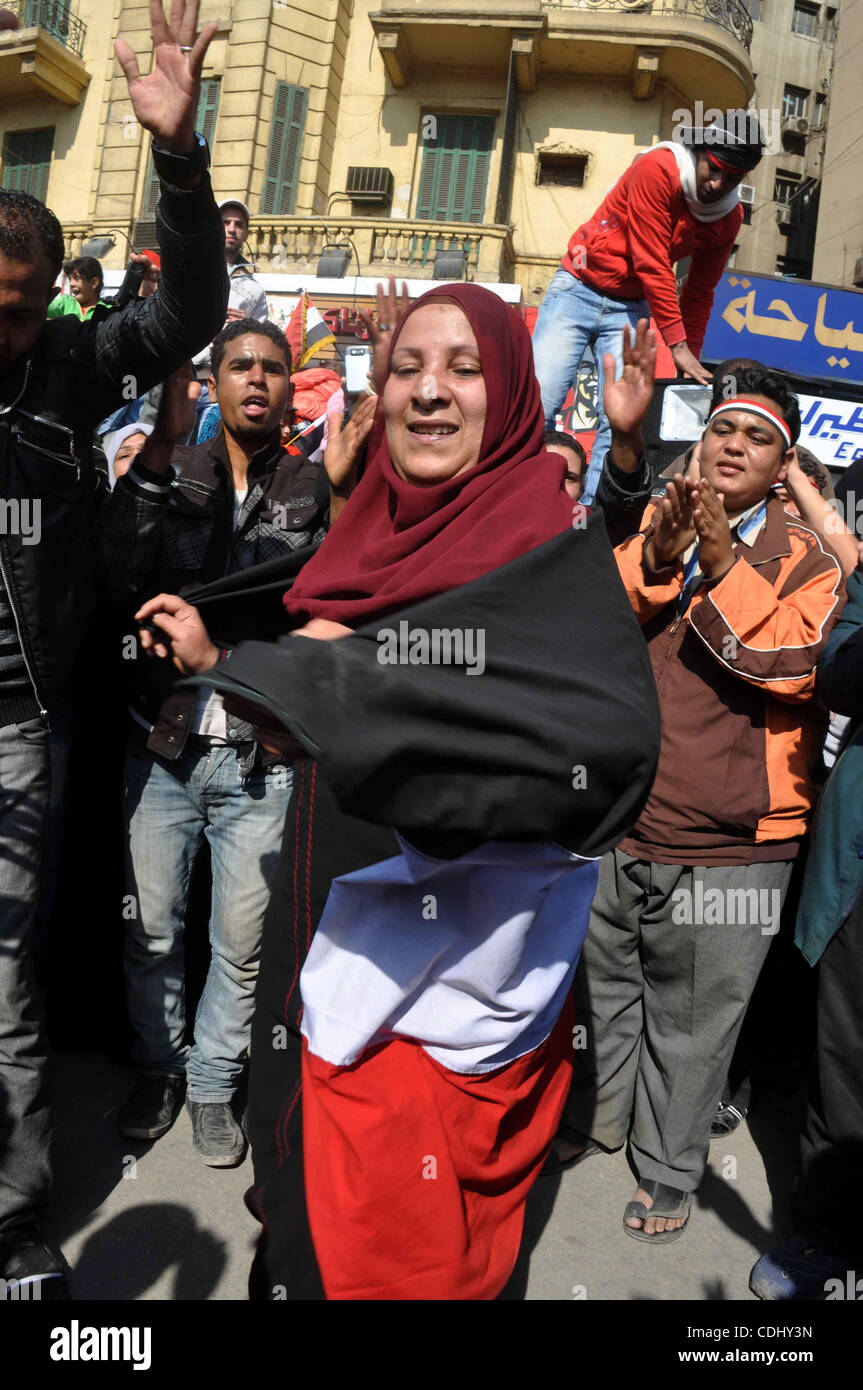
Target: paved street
(140,1221)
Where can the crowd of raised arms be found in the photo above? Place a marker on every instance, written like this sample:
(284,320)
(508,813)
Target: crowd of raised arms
(464,934)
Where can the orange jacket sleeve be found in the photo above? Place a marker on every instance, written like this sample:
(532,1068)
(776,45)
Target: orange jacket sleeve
(771,641)
(649,591)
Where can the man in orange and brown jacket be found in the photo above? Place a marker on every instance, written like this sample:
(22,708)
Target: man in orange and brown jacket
(736,598)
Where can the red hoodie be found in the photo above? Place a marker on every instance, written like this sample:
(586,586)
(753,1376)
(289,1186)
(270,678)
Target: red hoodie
(638,231)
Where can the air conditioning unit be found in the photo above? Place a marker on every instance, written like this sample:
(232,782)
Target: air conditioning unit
(747,193)
(795,125)
(787,214)
(370,185)
(144,236)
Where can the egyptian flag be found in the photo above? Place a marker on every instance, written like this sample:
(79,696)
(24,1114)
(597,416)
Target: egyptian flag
(311,433)
(306,332)
(439,857)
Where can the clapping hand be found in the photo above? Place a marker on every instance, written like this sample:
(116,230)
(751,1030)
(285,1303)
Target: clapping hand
(715,551)
(673,526)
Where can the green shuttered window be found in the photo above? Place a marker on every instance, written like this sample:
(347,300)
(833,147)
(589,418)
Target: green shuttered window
(27,161)
(286,139)
(205,122)
(454,175)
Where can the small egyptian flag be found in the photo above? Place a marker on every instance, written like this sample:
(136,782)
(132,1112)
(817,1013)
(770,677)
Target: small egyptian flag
(306,332)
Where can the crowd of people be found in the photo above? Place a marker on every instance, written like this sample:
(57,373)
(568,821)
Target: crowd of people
(463,934)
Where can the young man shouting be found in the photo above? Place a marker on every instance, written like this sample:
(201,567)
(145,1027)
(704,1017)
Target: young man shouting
(736,599)
(178,518)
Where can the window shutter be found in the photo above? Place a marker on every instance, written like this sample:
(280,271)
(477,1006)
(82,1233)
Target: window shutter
(205,122)
(428,182)
(27,161)
(283,161)
(454,175)
(51,16)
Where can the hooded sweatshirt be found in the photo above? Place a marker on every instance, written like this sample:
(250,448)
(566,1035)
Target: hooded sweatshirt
(642,226)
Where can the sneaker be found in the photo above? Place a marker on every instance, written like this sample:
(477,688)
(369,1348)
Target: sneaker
(216,1136)
(152,1107)
(30,1268)
(726,1120)
(798,1270)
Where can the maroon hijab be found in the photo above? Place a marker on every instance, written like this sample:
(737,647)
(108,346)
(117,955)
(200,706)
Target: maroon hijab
(395,543)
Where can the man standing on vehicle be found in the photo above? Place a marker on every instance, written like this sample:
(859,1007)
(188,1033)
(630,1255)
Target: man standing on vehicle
(678,199)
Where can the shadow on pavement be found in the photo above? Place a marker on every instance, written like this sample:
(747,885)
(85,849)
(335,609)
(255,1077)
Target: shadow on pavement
(125,1257)
(538,1210)
(127,1254)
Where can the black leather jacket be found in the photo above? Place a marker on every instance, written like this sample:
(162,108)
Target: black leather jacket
(50,403)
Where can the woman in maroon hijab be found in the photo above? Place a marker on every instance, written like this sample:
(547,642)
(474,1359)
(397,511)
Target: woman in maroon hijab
(434,1069)
(458,482)
(433,1001)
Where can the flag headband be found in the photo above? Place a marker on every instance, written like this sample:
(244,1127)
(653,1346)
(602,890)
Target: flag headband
(719,163)
(754,408)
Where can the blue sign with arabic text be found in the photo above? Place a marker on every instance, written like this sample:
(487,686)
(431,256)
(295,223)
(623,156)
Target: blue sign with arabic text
(800,327)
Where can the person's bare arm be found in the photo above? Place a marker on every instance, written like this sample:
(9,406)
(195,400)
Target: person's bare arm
(818,513)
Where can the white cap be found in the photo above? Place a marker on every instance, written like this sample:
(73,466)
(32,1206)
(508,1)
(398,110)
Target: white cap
(235,203)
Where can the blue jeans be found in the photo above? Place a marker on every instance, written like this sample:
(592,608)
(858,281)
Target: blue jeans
(571,316)
(168,809)
(25,792)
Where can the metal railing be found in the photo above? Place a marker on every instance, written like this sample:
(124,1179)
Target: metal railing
(384,245)
(55,17)
(731,15)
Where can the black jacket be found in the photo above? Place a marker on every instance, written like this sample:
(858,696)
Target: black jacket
(622,497)
(169,533)
(51,402)
(559,739)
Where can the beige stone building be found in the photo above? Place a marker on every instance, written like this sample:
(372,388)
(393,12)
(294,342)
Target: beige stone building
(398,131)
(839,243)
(792,57)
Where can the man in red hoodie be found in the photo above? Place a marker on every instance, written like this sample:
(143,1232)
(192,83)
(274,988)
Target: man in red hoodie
(678,199)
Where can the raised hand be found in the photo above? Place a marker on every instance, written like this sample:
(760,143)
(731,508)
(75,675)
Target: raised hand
(166,101)
(715,551)
(673,526)
(180,395)
(391,307)
(626,400)
(341,456)
(150,282)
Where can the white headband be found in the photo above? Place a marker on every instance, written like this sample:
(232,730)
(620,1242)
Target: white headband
(754,408)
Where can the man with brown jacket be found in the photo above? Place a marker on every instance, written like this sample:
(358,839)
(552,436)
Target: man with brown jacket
(736,598)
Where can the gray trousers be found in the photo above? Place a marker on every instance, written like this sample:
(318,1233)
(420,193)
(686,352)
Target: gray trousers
(670,962)
(25,785)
